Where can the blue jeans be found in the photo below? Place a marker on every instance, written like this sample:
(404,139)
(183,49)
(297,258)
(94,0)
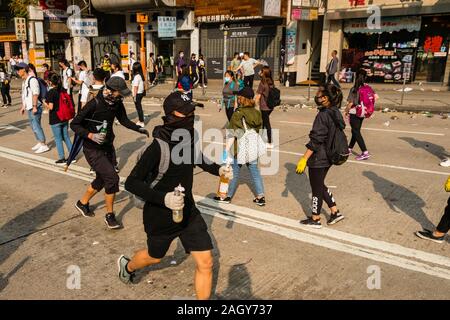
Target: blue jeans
(256,178)
(61,133)
(35,121)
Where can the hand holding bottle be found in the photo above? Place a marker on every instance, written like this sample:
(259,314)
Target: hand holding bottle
(226,171)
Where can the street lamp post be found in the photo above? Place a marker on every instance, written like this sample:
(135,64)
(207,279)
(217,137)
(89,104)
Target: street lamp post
(142,19)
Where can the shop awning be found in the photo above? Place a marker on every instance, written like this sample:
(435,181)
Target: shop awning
(389,24)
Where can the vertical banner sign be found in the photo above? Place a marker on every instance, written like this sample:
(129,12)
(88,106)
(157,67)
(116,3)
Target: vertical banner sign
(167,27)
(20,25)
(291,39)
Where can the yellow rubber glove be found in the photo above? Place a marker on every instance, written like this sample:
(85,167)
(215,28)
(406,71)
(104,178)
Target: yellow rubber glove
(301,166)
(447,185)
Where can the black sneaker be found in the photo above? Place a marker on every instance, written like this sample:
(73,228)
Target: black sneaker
(428,235)
(335,218)
(61,162)
(220,200)
(260,202)
(310,222)
(84,209)
(111,222)
(116,168)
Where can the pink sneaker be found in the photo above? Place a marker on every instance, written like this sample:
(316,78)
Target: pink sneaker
(364,156)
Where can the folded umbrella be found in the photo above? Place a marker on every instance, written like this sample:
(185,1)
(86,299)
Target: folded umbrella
(76,148)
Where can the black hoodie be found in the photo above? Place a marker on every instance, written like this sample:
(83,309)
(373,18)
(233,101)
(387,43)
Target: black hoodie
(157,217)
(93,114)
(321,136)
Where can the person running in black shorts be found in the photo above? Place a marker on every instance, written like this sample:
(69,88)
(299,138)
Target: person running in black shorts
(160,199)
(98,148)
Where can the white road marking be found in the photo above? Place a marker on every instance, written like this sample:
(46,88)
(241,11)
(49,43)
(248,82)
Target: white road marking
(374,129)
(381,165)
(376,250)
(9,127)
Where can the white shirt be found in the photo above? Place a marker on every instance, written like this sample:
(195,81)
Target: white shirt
(84,76)
(66,75)
(247,66)
(119,74)
(12,62)
(28,93)
(138,82)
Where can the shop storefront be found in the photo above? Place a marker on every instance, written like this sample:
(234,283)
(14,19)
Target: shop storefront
(387,55)
(411,39)
(168,32)
(260,37)
(432,52)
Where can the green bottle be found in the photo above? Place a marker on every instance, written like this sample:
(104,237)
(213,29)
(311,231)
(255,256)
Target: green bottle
(104,130)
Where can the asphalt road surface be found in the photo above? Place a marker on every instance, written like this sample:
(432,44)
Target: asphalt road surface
(260,253)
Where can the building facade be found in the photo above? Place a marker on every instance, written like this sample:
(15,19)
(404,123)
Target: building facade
(392,40)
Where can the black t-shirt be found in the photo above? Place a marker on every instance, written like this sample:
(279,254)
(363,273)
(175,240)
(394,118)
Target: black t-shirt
(53,97)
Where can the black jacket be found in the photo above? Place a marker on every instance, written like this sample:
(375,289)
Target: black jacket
(91,117)
(157,217)
(321,136)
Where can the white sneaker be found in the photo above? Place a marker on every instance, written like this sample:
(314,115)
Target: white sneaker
(140,124)
(43,148)
(445,163)
(36,146)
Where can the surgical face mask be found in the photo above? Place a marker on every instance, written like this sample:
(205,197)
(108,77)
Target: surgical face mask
(227,79)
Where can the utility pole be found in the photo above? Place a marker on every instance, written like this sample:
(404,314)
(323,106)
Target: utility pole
(142,19)
(224,28)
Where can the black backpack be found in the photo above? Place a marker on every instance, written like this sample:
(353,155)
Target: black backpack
(43,88)
(337,148)
(273,100)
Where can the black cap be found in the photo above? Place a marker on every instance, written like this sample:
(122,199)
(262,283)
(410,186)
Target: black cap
(118,84)
(246,92)
(181,102)
(21,65)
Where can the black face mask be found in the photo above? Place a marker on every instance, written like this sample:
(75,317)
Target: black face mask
(317,101)
(179,123)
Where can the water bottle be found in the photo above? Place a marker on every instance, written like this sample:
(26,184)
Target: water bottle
(177,215)
(224,183)
(104,130)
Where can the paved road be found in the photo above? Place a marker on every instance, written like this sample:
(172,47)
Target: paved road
(260,253)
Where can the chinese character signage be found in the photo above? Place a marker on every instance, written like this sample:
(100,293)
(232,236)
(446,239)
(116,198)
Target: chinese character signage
(54,9)
(167,27)
(20,25)
(83,27)
(305,14)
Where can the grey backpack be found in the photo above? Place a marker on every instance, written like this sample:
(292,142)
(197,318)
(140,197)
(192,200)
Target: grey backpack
(162,169)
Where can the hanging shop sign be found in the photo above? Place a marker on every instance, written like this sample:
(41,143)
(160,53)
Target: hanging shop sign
(167,27)
(305,14)
(291,38)
(83,27)
(20,25)
(272,8)
(54,9)
(388,24)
